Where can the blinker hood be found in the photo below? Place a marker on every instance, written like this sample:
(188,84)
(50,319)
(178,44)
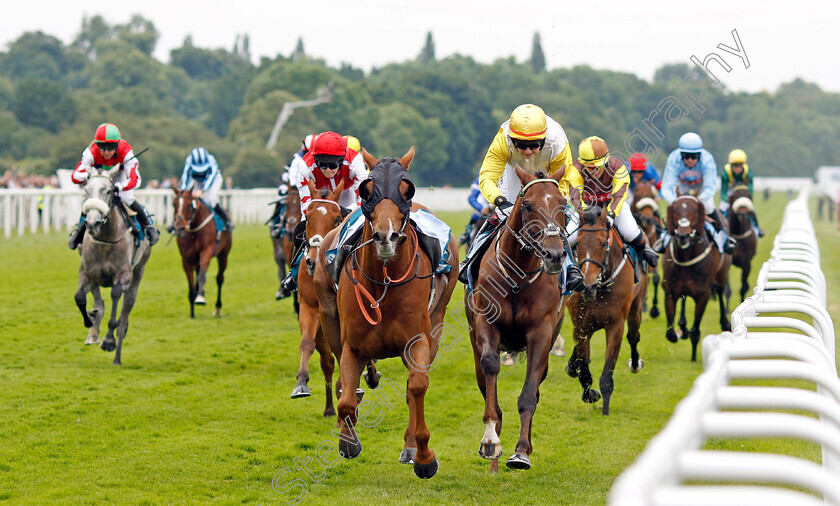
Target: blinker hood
(387,176)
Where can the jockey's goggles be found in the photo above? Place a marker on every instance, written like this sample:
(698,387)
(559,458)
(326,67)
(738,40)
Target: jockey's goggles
(532,145)
(107,146)
(690,156)
(327,162)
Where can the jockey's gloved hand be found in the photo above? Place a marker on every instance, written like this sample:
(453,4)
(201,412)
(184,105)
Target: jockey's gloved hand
(502,203)
(611,215)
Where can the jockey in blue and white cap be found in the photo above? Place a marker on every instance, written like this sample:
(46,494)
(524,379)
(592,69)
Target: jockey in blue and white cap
(202,175)
(690,156)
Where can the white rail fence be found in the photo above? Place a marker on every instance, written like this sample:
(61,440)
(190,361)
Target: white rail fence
(33,211)
(675,469)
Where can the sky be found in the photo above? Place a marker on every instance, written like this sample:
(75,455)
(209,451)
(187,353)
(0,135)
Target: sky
(779,40)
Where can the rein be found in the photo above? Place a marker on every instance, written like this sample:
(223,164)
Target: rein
(186,223)
(601,282)
(694,260)
(387,282)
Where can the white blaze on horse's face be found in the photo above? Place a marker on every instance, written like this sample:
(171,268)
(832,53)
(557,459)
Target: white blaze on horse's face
(96,206)
(386,227)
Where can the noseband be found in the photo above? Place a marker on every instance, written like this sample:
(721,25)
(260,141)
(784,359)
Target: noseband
(528,241)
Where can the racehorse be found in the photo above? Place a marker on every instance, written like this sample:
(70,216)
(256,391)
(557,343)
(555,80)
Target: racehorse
(110,258)
(322,215)
(741,229)
(199,242)
(644,209)
(284,244)
(609,299)
(389,303)
(515,306)
(693,266)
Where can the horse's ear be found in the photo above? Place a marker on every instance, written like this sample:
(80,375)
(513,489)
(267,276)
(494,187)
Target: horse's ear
(176,190)
(524,177)
(559,173)
(369,159)
(366,189)
(335,194)
(406,159)
(670,226)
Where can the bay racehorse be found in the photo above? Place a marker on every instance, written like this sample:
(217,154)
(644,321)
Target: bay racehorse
(515,306)
(284,243)
(322,216)
(645,211)
(610,298)
(389,303)
(741,229)
(198,242)
(111,257)
(692,266)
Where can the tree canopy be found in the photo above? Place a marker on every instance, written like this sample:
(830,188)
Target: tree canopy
(53,95)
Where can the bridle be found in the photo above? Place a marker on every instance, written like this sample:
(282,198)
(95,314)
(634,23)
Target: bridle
(185,223)
(529,241)
(607,274)
(692,237)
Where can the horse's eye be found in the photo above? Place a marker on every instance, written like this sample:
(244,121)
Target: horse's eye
(526,206)
(337,222)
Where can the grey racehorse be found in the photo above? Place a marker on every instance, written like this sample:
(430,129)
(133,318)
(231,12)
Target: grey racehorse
(109,259)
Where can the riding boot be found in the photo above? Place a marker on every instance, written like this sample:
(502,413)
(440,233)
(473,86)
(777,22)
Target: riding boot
(574,279)
(221,212)
(754,221)
(289,283)
(146,221)
(77,234)
(645,252)
(720,226)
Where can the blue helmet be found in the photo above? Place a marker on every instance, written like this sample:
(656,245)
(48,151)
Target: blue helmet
(691,143)
(199,160)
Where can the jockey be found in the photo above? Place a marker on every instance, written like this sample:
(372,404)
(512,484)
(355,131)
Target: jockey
(690,156)
(108,150)
(328,163)
(642,172)
(201,173)
(481,206)
(596,177)
(737,172)
(288,179)
(536,143)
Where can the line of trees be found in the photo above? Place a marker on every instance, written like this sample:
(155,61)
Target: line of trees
(52,96)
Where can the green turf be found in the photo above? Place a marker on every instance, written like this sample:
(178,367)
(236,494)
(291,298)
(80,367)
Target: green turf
(200,411)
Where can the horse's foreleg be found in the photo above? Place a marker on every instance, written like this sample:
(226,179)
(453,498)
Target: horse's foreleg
(109,343)
(683,321)
(582,356)
(189,269)
(96,315)
(203,264)
(309,327)
(745,284)
(417,359)
(634,322)
(670,312)
(723,302)
(699,309)
(220,280)
(81,299)
(350,368)
(539,345)
(614,333)
(129,299)
(487,366)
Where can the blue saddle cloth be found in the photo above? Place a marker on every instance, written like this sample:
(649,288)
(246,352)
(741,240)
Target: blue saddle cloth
(432,235)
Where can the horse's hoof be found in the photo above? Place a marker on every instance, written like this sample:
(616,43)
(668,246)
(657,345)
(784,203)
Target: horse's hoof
(591,396)
(571,371)
(217,312)
(683,333)
(329,412)
(301,391)
(654,312)
(359,394)
(490,451)
(349,450)
(558,350)
(92,340)
(108,345)
(370,381)
(671,336)
(407,455)
(426,471)
(508,359)
(519,461)
(200,300)
(278,295)
(630,365)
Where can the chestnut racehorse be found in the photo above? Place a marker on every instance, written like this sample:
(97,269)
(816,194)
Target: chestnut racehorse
(322,215)
(693,266)
(644,209)
(741,229)
(389,303)
(198,242)
(515,305)
(609,299)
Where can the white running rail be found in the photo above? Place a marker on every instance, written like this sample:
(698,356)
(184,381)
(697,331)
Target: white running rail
(674,469)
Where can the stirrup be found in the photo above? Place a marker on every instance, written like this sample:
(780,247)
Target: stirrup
(152,234)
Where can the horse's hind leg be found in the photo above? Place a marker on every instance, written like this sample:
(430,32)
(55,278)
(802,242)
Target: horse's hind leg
(96,315)
(309,327)
(699,309)
(670,312)
(614,335)
(109,343)
(220,279)
(745,284)
(723,302)
(129,299)
(327,367)
(190,271)
(417,359)
(201,279)
(683,321)
(349,370)
(81,299)
(654,310)
(634,322)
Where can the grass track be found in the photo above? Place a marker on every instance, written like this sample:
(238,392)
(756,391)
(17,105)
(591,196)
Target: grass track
(200,410)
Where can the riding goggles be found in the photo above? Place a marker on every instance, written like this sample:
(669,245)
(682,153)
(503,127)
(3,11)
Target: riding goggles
(532,145)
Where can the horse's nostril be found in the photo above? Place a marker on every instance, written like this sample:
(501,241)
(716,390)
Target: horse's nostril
(377,237)
(394,237)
